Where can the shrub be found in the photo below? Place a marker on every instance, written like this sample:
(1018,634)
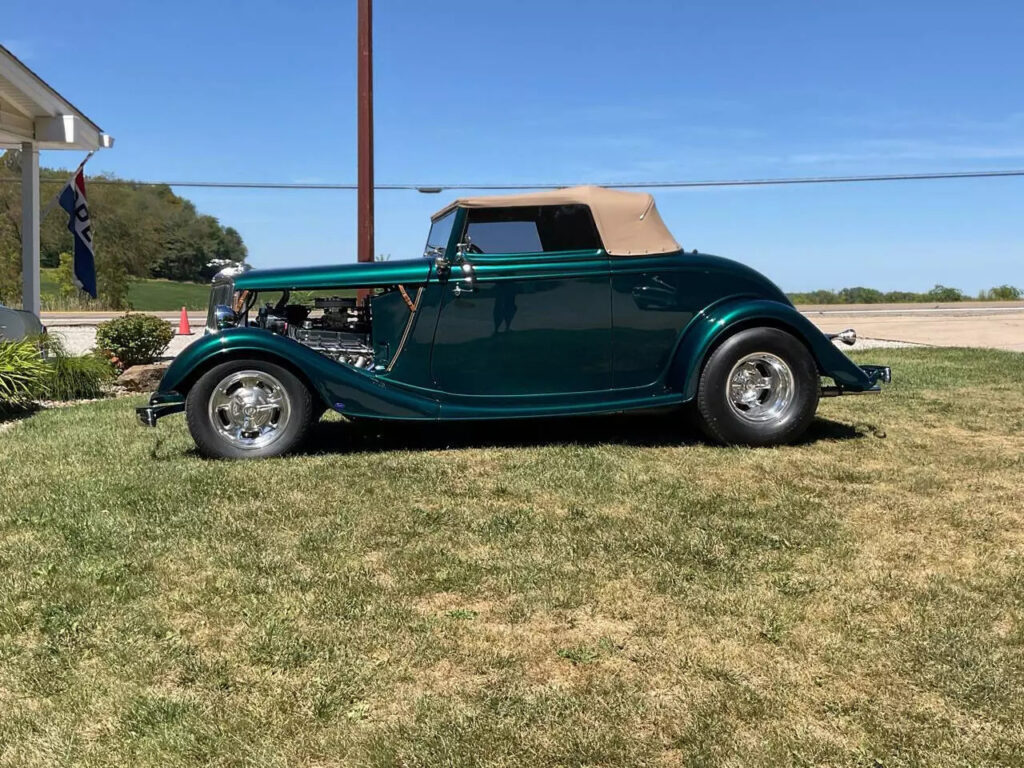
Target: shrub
(22,373)
(113,281)
(74,378)
(1001,293)
(860,295)
(10,276)
(815,297)
(66,278)
(900,297)
(134,339)
(944,293)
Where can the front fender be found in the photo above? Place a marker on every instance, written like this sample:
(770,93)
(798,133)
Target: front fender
(352,391)
(716,322)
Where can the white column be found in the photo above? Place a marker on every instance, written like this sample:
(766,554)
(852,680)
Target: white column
(30,227)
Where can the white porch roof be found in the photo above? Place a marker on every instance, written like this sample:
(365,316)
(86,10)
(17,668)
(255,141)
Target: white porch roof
(31,111)
(33,116)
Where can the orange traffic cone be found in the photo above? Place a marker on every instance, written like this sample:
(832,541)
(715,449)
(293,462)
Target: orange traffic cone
(184,329)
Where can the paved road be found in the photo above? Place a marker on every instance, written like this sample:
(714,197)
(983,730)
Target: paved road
(979,324)
(63,319)
(974,324)
(78,329)
(949,309)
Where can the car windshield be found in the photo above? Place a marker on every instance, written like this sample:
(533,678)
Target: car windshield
(437,239)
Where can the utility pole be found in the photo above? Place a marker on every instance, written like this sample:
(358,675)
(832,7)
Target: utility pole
(365,108)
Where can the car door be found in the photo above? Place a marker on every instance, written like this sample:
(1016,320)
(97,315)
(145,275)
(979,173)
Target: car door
(653,298)
(527,312)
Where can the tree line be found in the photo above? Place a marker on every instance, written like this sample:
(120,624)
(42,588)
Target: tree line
(139,232)
(940,293)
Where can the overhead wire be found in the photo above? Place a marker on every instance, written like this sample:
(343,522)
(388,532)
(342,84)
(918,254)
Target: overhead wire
(436,188)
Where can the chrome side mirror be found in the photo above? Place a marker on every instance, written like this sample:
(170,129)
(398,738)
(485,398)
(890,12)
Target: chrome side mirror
(463,248)
(441,262)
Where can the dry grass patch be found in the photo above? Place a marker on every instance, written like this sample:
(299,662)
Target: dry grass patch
(583,592)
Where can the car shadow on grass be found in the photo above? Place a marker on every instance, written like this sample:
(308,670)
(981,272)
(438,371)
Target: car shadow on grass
(640,430)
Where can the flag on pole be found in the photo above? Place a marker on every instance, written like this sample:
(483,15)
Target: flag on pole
(72,200)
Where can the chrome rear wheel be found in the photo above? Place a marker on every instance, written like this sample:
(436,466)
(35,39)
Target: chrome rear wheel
(760,387)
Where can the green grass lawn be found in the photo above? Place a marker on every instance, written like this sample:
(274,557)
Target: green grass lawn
(606,592)
(157,295)
(144,295)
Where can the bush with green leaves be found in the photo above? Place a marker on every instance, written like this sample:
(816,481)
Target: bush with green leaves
(74,378)
(1001,293)
(23,373)
(134,338)
(944,293)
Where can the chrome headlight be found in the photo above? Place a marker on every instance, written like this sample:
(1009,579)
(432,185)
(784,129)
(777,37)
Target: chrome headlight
(224,317)
(222,297)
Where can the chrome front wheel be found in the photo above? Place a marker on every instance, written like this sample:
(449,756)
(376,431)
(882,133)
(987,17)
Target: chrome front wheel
(250,409)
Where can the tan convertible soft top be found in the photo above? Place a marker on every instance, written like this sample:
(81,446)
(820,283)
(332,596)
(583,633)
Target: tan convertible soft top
(628,222)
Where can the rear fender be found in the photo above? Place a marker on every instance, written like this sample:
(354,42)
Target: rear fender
(349,390)
(716,323)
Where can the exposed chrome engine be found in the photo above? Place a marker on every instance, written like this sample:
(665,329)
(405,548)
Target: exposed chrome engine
(336,327)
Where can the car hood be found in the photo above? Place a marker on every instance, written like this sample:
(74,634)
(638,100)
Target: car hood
(355,275)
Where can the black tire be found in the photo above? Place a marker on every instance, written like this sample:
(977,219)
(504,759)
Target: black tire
(210,426)
(760,387)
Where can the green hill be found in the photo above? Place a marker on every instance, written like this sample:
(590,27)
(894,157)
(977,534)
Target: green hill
(141,233)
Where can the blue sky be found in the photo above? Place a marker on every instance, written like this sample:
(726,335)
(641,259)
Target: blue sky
(566,91)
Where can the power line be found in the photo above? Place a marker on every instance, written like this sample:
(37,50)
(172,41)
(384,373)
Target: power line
(435,188)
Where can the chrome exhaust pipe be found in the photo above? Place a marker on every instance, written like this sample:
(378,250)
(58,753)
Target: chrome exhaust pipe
(848,337)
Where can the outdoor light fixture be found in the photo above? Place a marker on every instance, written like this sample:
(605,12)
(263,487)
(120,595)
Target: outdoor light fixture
(429,190)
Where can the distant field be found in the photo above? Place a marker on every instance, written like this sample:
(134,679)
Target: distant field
(164,294)
(144,295)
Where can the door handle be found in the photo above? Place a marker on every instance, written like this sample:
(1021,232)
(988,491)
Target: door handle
(467,284)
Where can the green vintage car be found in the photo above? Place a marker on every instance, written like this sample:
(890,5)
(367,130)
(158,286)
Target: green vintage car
(564,302)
